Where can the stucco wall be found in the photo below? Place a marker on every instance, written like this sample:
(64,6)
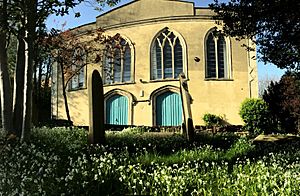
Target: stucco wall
(221,97)
(145,9)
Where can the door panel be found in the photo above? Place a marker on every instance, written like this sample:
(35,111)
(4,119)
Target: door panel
(117,110)
(168,109)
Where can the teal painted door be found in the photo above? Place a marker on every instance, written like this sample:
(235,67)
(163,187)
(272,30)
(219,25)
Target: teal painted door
(168,109)
(117,110)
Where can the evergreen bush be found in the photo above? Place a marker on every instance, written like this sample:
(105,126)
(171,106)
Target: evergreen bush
(211,120)
(255,114)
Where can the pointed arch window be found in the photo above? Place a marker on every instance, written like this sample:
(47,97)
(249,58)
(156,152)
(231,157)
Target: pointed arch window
(118,63)
(166,56)
(78,69)
(217,64)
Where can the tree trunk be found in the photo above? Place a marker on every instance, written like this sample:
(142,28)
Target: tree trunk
(36,106)
(64,92)
(39,82)
(48,73)
(19,85)
(29,56)
(5,87)
(38,92)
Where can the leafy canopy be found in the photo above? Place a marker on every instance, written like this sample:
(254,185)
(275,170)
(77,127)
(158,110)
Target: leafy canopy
(283,98)
(274,25)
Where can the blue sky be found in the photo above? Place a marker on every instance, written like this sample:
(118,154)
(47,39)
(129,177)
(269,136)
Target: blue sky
(89,14)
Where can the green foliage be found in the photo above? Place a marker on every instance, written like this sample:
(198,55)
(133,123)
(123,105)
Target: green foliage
(40,167)
(134,130)
(212,120)
(136,140)
(239,149)
(255,114)
(283,98)
(63,140)
(11,55)
(272,25)
(204,153)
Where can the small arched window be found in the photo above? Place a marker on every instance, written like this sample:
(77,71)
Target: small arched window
(166,56)
(118,63)
(78,69)
(217,65)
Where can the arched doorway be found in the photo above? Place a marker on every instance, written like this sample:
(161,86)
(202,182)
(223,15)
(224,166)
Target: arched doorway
(117,110)
(168,109)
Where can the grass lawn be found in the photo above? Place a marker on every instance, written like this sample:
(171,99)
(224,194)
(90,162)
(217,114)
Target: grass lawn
(58,161)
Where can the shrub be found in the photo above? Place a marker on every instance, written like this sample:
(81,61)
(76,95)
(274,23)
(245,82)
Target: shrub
(255,114)
(159,142)
(65,140)
(134,130)
(212,120)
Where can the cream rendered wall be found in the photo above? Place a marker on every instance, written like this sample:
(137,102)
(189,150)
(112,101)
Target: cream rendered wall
(143,10)
(218,97)
(213,96)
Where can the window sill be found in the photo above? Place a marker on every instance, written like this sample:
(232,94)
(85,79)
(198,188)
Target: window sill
(218,79)
(77,89)
(118,84)
(164,80)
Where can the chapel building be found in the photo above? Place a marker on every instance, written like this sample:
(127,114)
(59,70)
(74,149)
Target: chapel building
(161,39)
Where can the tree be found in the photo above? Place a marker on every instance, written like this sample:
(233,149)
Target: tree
(72,54)
(283,98)
(41,88)
(5,86)
(264,83)
(274,25)
(63,46)
(23,18)
(12,54)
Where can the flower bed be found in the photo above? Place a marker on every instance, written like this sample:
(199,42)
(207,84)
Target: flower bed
(58,161)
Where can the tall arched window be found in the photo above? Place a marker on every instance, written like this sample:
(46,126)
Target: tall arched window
(166,56)
(78,69)
(118,63)
(217,65)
